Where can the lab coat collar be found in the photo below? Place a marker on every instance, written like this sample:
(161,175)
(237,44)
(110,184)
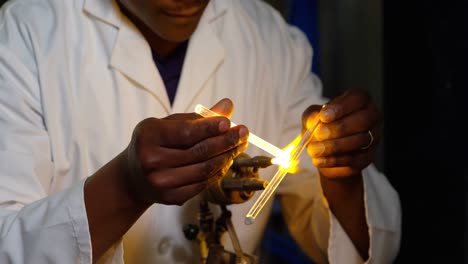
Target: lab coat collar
(132,53)
(204,55)
(105,10)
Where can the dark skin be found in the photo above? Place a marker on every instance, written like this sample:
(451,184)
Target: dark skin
(164,23)
(143,174)
(172,159)
(337,151)
(168,161)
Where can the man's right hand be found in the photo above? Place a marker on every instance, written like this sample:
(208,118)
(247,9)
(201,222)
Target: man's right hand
(172,159)
(168,161)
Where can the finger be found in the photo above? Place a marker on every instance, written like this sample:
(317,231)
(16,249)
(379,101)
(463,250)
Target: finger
(178,130)
(357,160)
(176,177)
(186,133)
(180,195)
(213,146)
(179,116)
(339,172)
(358,122)
(310,116)
(162,157)
(224,107)
(373,136)
(339,146)
(348,102)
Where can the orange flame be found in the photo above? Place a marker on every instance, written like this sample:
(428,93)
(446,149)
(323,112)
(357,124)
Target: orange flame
(284,159)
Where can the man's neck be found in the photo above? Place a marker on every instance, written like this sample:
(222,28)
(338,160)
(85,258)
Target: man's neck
(161,47)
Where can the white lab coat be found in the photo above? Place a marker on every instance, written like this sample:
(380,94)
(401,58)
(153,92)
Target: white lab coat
(75,79)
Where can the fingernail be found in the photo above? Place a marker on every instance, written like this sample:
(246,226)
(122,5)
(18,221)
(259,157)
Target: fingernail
(225,105)
(316,149)
(328,113)
(243,133)
(323,133)
(223,126)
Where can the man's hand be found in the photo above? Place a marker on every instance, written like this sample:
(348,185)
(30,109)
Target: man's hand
(343,145)
(168,161)
(172,159)
(344,141)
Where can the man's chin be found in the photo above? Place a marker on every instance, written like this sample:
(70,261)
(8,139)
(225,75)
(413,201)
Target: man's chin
(178,34)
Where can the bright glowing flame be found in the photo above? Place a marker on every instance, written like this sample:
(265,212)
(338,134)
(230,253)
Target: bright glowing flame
(284,159)
(297,149)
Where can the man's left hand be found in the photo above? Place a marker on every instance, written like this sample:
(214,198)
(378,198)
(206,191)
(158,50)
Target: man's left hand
(345,139)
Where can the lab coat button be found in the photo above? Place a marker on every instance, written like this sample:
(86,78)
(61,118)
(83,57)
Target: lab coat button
(164,245)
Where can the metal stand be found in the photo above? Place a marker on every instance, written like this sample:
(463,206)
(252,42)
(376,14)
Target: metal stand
(237,186)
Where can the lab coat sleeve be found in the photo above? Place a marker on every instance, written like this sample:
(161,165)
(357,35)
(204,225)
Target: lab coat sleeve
(304,207)
(35,225)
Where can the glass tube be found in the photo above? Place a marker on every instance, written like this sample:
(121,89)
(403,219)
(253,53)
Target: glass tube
(276,180)
(253,139)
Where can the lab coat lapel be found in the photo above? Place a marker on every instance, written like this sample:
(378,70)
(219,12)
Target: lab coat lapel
(132,57)
(104,10)
(131,54)
(204,56)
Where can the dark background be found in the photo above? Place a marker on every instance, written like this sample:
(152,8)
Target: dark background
(425,45)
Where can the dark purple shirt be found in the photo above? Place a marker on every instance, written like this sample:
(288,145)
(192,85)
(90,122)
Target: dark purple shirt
(170,69)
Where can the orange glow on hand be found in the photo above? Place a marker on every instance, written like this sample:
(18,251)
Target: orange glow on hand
(287,162)
(284,159)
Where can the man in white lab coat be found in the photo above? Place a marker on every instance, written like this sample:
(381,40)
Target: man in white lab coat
(96,166)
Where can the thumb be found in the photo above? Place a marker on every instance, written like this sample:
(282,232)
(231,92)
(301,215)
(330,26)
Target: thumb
(310,116)
(224,107)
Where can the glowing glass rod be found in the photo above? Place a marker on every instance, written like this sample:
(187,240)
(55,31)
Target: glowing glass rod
(282,171)
(253,139)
